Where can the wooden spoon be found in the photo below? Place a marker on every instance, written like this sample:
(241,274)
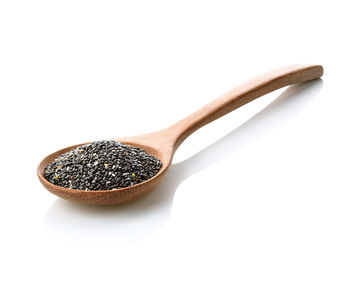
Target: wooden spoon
(163,144)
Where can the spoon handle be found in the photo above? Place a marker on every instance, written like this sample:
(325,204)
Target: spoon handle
(241,95)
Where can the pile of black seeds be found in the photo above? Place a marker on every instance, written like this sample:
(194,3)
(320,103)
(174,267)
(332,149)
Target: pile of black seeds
(102,165)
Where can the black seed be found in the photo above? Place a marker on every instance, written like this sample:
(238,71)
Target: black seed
(90,166)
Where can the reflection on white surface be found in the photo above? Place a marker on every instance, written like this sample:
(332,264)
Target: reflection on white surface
(78,224)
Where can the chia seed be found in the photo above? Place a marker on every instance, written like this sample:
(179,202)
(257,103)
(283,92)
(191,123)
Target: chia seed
(102,165)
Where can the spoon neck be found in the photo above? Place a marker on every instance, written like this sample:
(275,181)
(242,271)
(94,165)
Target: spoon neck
(179,131)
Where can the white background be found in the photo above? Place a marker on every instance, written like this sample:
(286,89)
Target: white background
(261,194)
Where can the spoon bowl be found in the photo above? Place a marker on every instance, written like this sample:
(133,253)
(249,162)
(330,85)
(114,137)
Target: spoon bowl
(163,144)
(107,197)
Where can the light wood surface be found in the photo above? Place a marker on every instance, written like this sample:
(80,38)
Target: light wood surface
(163,144)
